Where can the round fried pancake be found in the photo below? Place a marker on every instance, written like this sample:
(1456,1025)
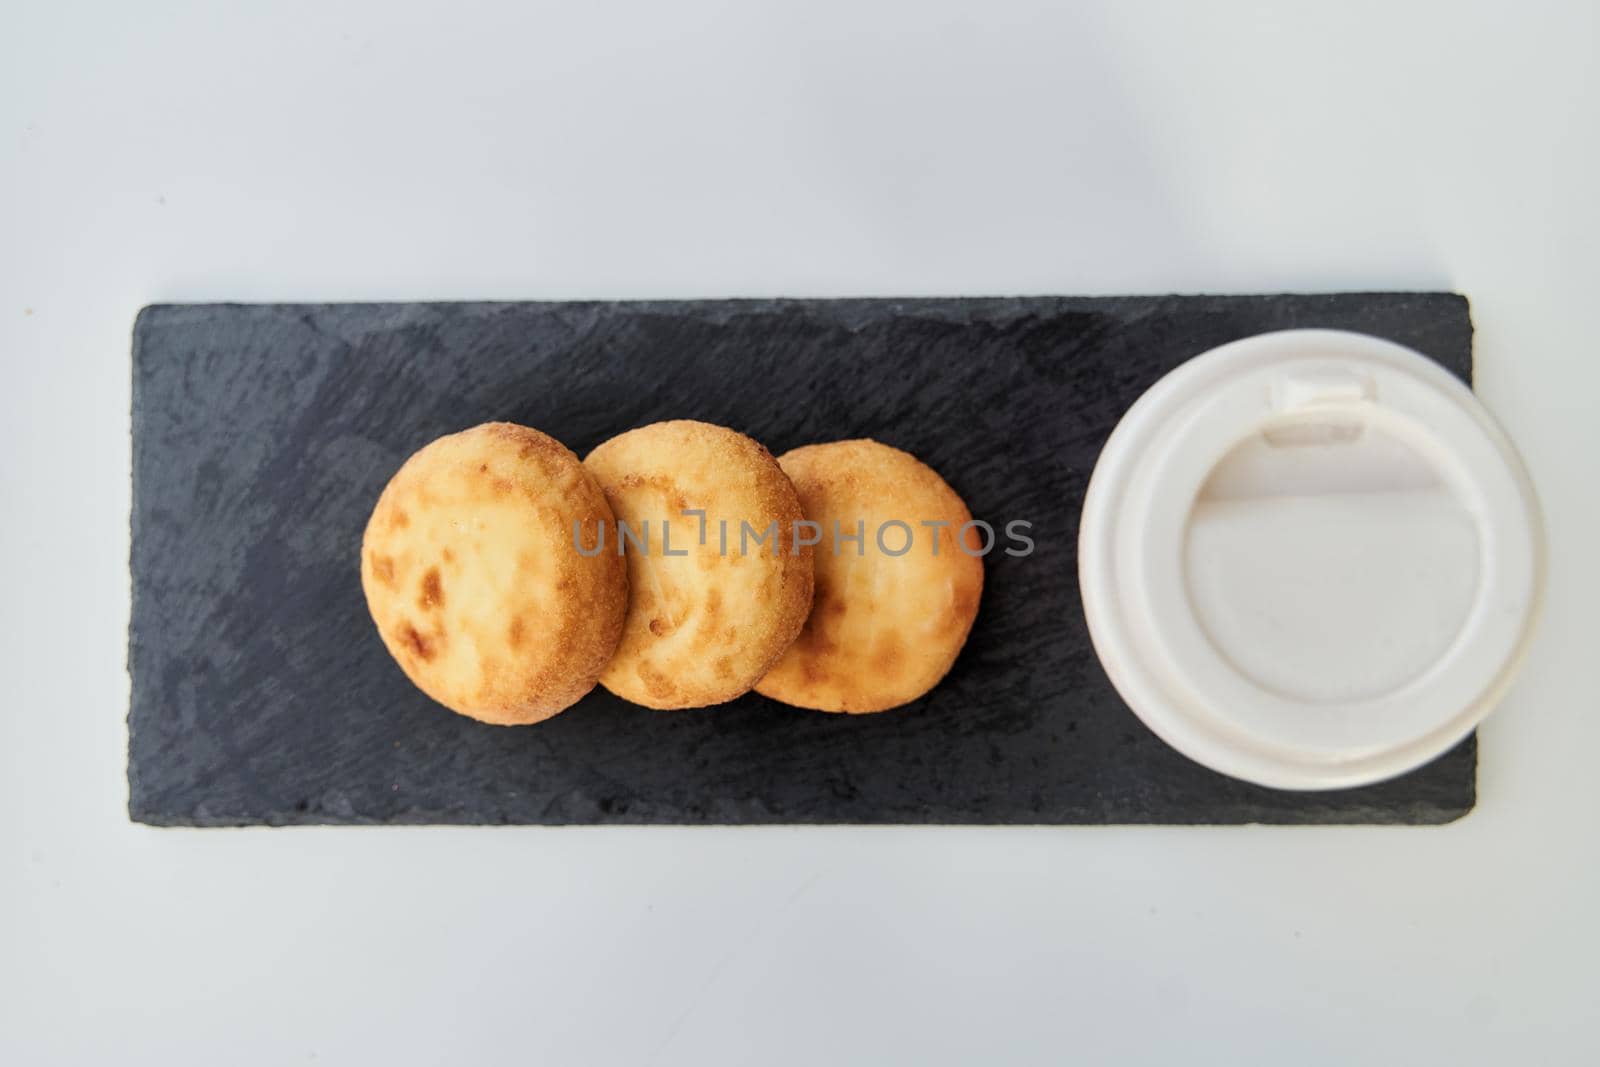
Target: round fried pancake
(707,616)
(884,628)
(474,581)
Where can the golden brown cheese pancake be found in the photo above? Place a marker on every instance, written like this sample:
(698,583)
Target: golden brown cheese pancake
(702,626)
(473,579)
(883,628)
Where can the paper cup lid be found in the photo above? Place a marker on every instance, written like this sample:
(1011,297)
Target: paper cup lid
(1310,559)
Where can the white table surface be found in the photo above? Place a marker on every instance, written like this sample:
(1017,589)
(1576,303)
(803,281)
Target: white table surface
(159,152)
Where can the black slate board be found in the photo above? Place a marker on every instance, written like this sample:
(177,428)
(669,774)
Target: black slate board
(262,435)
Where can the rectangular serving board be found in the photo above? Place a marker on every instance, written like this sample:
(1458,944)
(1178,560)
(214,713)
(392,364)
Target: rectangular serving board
(262,435)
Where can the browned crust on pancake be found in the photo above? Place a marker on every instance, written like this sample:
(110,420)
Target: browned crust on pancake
(472,579)
(883,630)
(702,628)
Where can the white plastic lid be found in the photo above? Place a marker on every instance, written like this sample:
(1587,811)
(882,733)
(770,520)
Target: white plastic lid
(1310,559)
